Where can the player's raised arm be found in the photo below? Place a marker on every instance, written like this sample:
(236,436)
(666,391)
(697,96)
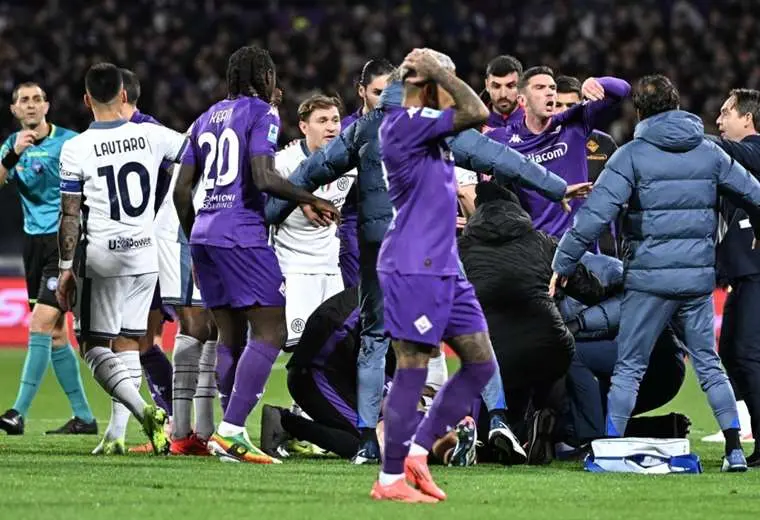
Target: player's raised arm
(424,66)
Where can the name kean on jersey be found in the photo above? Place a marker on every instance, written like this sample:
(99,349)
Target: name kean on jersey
(119,146)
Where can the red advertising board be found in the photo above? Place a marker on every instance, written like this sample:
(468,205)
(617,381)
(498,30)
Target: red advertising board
(14,315)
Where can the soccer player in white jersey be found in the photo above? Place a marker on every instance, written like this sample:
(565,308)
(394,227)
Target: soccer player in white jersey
(108,180)
(194,379)
(309,255)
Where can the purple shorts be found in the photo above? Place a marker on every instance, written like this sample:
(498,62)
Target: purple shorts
(427,308)
(238,277)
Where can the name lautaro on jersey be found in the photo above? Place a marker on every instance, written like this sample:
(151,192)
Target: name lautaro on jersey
(119,146)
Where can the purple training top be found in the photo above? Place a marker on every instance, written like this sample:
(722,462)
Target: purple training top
(560,148)
(222,142)
(419,169)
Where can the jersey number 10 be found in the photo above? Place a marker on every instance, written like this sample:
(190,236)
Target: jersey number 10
(228,140)
(119,199)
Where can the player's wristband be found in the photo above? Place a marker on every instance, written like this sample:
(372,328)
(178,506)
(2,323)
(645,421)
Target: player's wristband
(65,264)
(11,159)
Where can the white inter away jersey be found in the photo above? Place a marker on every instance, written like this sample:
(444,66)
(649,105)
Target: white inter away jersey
(300,246)
(114,166)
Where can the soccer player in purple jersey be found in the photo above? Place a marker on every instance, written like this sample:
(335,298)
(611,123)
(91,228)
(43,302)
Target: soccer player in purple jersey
(372,82)
(232,149)
(425,295)
(502,75)
(557,141)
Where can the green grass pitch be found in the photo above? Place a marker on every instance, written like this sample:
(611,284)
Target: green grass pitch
(56,478)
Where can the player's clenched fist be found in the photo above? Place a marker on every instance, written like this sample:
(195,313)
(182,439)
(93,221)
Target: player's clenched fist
(24,139)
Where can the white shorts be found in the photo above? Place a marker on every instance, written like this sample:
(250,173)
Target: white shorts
(113,306)
(303,294)
(175,275)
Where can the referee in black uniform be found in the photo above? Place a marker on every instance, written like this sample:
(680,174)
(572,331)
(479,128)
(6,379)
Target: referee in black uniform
(738,262)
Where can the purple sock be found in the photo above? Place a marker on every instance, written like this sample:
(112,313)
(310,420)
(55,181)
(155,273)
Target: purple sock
(251,375)
(453,402)
(400,413)
(226,363)
(158,373)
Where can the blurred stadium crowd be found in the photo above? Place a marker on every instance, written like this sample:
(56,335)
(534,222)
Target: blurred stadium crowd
(180,49)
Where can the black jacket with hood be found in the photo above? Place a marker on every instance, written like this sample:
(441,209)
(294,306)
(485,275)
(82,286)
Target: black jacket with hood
(509,265)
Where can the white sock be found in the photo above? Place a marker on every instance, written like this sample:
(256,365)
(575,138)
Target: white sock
(386,479)
(112,374)
(228,430)
(417,450)
(187,355)
(438,372)
(745,421)
(117,425)
(203,401)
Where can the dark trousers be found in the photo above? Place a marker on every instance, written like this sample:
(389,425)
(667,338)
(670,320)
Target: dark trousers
(740,343)
(333,414)
(588,382)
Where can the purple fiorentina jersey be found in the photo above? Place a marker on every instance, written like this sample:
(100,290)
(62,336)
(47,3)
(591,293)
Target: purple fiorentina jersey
(497,120)
(422,186)
(560,148)
(222,142)
(350,118)
(164,177)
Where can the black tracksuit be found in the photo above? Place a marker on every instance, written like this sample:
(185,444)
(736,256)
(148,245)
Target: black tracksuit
(739,266)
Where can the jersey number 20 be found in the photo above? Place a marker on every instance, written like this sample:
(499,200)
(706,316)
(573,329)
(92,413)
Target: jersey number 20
(228,140)
(119,199)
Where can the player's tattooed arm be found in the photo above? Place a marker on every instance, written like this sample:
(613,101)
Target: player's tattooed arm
(183,197)
(268,180)
(470,110)
(68,230)
(424,66)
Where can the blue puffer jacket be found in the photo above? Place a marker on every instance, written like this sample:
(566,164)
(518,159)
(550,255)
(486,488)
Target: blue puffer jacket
(670,176)
(358,146)
(603,320)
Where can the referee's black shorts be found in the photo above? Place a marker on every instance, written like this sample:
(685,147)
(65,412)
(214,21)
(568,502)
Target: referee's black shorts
(41,268)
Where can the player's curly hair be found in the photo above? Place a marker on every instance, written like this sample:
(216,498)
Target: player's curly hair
(246,72)
(655,94)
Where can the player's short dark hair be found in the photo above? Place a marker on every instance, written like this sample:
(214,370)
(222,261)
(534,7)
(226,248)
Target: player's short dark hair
(655,94)
(316,102)
(747,101)
(374,68)
(503,65)
(568,85)
(131,85)
(246,72)
(27,84)
(103,82)
(541,70)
